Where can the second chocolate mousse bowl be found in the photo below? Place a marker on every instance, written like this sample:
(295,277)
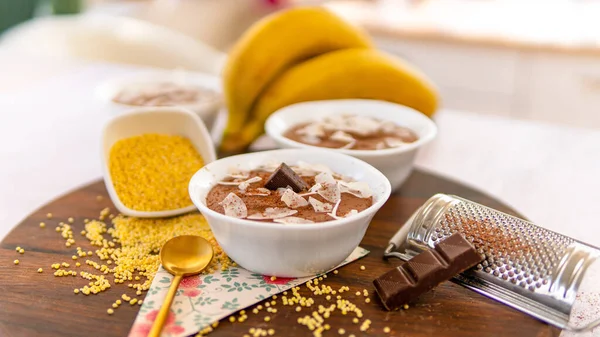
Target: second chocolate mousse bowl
(289,213)
(383,134)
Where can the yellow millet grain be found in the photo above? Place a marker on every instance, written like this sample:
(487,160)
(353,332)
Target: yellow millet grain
(130,250)
(168,162)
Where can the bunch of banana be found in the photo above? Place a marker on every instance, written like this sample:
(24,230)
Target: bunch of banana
(308,54)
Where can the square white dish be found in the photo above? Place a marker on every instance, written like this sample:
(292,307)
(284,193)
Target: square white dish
(163,120)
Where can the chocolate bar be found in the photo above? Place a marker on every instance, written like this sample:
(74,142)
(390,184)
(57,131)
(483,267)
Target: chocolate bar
(423,272)
(284,176)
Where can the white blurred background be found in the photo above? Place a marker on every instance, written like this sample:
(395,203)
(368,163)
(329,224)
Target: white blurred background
(530,60)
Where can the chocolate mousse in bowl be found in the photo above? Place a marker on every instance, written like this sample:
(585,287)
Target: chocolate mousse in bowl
(352,132)
(289,195)
(200,93)
(289,213)
(162,93)
(383,134)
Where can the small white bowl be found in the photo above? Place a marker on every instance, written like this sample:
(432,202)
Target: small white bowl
(289,250)
(164,120)
(207,110)
(395,163)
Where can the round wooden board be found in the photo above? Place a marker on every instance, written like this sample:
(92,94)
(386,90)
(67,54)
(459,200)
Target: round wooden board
(39,304)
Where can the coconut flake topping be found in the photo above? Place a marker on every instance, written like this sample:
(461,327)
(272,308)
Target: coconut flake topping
(356,188)
(292,199)
(234,206)
(329,188)
(334,211)
(342,136)
(394,142)
(245,184)
(273,213)
(318,206)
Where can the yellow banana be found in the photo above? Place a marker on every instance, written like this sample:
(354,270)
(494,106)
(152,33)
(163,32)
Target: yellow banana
(349,73)
(274,44)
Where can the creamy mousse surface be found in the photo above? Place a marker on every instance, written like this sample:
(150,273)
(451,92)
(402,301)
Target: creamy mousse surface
(352,132)
(326,196)
(162,94)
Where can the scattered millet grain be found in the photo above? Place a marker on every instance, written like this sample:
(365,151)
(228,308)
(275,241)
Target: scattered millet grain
(42,225)
(131,246)
(167,161)
(386,329)
(362,268)
(40,270)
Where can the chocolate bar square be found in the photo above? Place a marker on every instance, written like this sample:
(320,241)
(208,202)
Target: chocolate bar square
(284,176)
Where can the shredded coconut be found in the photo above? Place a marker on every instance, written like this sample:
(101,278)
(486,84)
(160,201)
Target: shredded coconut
(234,206)
(273,213)
(318,206)
(292,199)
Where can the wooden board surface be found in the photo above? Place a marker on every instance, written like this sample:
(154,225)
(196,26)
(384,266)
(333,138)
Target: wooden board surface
(39,304)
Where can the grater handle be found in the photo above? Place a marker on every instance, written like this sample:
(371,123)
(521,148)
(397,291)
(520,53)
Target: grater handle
(399,240)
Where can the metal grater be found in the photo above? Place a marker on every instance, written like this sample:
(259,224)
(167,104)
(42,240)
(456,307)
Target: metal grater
(526,267)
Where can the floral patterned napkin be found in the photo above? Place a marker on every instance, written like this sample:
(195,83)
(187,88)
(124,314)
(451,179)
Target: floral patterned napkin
(204,299)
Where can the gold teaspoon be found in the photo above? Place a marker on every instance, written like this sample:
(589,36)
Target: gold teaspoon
(181,256)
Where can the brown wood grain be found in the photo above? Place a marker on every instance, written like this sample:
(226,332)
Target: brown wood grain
(39,304)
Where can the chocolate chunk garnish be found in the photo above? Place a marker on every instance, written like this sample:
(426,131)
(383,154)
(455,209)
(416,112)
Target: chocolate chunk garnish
(284,176)
(423,272)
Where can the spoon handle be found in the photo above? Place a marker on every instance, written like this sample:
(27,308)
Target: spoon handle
(165,308)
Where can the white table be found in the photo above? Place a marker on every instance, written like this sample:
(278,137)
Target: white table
(51,125)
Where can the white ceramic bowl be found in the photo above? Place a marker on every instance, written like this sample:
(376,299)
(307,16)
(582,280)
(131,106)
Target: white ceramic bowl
(173,121)
(207,110)
(396,163)
(289,250)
